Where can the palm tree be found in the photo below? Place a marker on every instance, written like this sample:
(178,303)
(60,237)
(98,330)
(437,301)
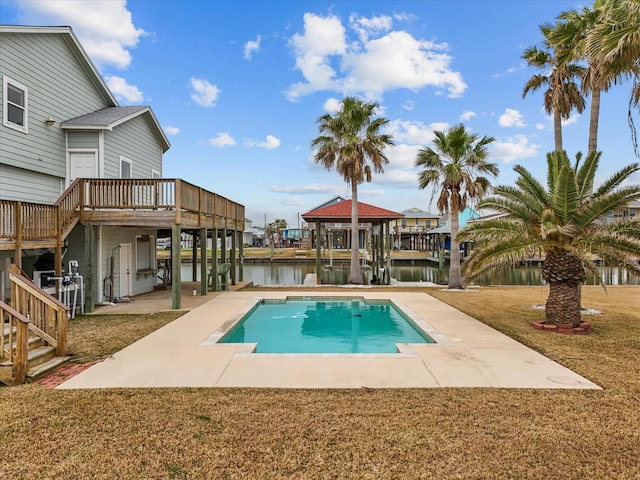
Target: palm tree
(616,39)
(453,166)
(351,142)
(568,37)
(562,94)
(565,222)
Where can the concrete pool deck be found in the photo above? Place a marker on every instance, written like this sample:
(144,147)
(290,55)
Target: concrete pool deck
(468,354)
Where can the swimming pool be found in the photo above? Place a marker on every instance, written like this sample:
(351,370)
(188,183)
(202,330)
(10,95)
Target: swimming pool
(326,325)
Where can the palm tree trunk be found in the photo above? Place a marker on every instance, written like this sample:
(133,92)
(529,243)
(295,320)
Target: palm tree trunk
(455,275)
(354,269)
(565,274)
(563,304)
(557,130)
(593,120)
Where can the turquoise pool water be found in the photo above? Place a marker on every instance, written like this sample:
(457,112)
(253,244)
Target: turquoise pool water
(326,326)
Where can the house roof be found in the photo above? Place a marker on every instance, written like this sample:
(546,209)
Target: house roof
(110,117)
(106,118)
(341,212)
(74,45)
(417,213)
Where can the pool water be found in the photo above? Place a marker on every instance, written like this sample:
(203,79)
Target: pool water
(326,326)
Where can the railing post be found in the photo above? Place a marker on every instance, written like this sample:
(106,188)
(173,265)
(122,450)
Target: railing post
(22,354)
(18,223)
(178,193)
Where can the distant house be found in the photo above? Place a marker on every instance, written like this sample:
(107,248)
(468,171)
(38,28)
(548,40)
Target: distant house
(81,176)
(409,231)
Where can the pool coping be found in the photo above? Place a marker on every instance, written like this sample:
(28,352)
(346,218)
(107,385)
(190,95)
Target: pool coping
(468,353)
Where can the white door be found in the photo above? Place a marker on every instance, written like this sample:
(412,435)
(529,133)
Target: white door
(124,272)
(83,165)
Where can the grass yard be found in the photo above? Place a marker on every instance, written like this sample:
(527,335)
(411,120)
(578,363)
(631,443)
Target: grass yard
(346,434)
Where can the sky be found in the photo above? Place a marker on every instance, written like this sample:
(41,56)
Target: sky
(238,87)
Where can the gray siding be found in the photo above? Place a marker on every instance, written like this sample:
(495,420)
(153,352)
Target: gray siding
(57,87)
(110,241)
(135,141)
(27,186)
(83,140)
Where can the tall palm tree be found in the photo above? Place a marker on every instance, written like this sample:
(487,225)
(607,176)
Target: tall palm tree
(562,94)
(351,142)
(616,39)
(456,165)
(569,38)
(565,222)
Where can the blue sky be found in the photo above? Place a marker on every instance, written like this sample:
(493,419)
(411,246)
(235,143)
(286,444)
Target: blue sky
(238,87)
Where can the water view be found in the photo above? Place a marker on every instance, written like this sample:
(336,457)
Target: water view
(294,274)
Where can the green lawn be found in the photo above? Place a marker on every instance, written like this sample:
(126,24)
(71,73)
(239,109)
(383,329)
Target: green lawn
(346,434)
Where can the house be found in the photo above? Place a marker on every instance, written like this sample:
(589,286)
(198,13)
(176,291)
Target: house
(89,171)
(82,199)
(409,231)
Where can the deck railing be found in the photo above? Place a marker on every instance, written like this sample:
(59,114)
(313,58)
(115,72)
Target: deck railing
(14,344)
(33,221)
(21,221)
(45,317)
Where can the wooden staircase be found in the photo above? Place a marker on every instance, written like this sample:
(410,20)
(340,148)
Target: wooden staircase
(34,331)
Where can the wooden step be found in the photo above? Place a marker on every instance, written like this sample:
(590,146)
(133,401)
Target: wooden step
(40,355)
(6,373)
(44,368)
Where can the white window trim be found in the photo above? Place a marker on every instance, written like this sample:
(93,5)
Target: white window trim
(6,81)
(155,173)
(125,160)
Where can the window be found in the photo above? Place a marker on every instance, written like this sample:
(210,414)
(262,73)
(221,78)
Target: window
(145,254)
(14,108)
(155,173)
(125,168)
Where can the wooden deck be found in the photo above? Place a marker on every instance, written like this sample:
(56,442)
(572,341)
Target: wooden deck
(157,203)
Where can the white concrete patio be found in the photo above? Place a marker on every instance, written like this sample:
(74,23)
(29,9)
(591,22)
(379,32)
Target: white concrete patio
(468,354)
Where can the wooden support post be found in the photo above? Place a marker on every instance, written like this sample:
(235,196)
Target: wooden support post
(203,262)
(223,246)
(318,252)
(241,259)
(90,270)
(194,257)
(232,272)
(214,260)
(176,264)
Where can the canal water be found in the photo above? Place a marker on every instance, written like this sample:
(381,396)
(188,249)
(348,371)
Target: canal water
(294,274)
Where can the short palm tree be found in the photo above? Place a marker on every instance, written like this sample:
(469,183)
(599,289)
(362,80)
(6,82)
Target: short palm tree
(565,222)
(562,94)
(351,142)
(456,166)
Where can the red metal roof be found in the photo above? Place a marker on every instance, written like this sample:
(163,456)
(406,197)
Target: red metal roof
(341,212)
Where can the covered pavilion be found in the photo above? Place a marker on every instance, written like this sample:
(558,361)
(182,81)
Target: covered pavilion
(379,219)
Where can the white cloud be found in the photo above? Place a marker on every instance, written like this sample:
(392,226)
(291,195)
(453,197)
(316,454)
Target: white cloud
(223,139)
(308,189)
(270,143)
(365,27)
(511,118)
(572,119)
(540,126)
(104,27)
(123,91)
(169,130)
(332,105)
(415,133)
(408,105)
(467,115)
(323,37)
(250,47)
(513,148)
(329,60)
(204,93)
